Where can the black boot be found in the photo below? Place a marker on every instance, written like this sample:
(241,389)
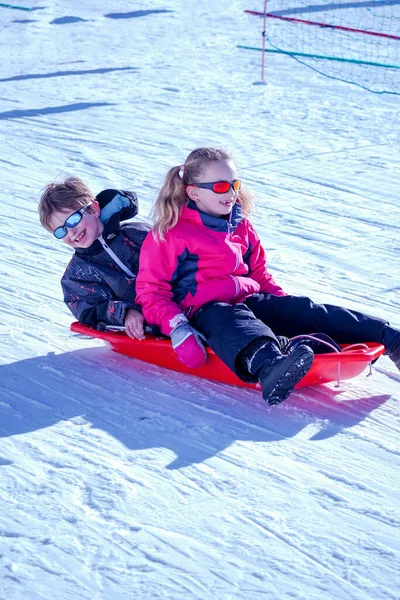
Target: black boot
(391,341)
(278,373)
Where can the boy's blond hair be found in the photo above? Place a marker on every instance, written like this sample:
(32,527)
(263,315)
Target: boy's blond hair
(64,196)
(172,197)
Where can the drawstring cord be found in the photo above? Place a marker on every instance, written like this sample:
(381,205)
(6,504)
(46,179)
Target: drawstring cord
(115,257)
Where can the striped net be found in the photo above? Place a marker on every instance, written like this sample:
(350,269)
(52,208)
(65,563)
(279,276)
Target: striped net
(357,42)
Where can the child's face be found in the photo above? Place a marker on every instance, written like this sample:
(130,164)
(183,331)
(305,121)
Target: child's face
(207,200)
(86,231)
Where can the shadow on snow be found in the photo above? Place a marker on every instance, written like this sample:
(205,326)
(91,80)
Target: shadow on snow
(144,406)
(67,73)
(137,13)
(66,20)
(51,110)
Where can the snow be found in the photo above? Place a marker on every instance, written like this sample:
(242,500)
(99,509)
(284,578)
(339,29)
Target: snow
(121,480)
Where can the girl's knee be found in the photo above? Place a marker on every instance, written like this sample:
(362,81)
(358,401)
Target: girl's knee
(220,315)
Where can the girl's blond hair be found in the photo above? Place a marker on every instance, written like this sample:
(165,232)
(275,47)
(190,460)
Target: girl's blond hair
(67,195)
(172,197)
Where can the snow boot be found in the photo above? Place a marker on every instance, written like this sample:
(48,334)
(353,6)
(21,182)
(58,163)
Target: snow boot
(279,375)
(391,341)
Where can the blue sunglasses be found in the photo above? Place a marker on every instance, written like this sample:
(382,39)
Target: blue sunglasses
(71,222)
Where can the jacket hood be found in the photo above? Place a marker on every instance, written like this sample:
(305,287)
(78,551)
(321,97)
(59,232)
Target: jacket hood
(115,206)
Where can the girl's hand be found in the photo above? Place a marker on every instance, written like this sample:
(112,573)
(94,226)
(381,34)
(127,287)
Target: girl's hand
(187,344)
(134,324)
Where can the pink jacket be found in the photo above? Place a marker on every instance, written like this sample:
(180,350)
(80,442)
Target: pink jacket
(203,258)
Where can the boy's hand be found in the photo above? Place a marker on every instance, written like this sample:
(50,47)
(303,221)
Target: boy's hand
(134,324)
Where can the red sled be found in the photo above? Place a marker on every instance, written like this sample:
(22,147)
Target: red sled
(326,368)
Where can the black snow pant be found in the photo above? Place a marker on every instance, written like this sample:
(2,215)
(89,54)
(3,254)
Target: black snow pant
(229,328)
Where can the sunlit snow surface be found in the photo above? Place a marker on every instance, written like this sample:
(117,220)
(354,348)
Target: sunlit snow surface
(119,480)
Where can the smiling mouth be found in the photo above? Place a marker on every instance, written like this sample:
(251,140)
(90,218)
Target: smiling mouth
(80,236)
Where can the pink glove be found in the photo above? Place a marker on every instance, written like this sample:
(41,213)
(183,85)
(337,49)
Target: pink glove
(187,345)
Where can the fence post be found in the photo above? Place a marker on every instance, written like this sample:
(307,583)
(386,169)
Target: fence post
(263,41)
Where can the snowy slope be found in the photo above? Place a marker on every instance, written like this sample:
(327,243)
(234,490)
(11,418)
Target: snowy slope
(120,480)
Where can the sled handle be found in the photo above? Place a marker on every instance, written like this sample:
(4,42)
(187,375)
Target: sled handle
(355,347)
(315,339)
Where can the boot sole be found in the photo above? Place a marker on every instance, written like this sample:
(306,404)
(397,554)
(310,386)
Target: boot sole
(286,374)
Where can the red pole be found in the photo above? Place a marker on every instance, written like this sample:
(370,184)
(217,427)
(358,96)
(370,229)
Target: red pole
(263,41)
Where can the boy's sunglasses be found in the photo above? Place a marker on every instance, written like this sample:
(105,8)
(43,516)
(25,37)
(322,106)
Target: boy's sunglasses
(220,187)
(72,221)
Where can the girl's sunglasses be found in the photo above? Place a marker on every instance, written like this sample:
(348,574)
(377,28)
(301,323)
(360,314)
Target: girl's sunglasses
(220,187)
(72,221)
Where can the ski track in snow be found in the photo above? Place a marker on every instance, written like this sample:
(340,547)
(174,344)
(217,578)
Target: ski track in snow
(121,480)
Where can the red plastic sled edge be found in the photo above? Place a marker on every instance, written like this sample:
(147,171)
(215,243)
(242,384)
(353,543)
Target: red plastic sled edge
(158,351)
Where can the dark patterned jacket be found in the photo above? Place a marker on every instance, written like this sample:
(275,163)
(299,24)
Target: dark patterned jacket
(96,289)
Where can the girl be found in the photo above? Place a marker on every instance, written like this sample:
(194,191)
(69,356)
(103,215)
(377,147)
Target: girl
(203,273)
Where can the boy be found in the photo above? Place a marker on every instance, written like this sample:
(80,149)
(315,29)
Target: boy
(99,283)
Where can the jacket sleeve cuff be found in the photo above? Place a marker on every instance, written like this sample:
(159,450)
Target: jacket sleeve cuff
(169,324)
(128,307)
